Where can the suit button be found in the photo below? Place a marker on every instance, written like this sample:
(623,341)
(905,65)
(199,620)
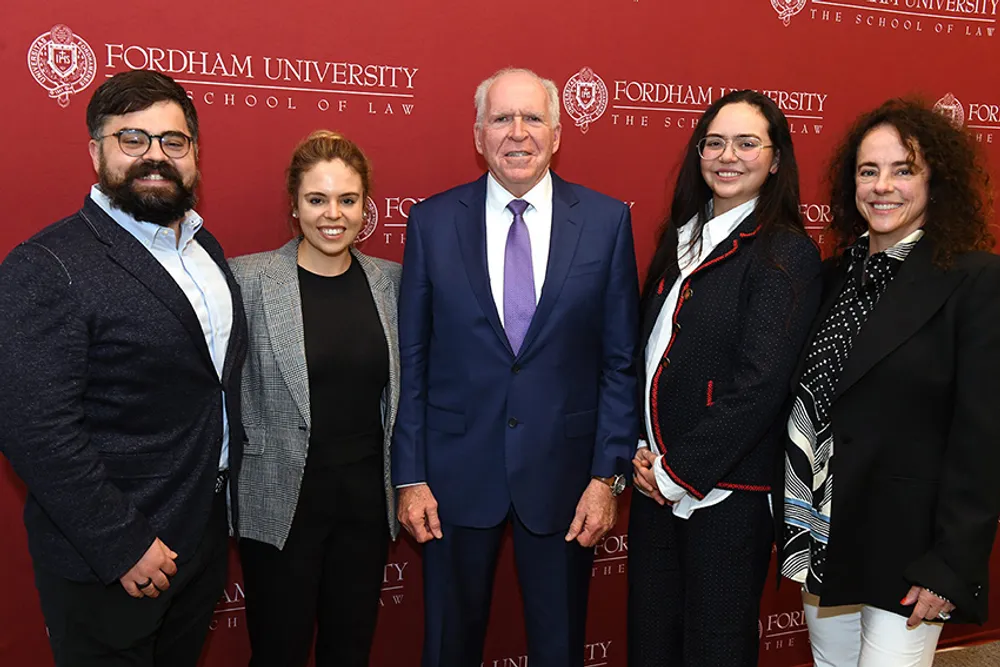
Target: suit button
(512,422)
(688,293)
(515,369)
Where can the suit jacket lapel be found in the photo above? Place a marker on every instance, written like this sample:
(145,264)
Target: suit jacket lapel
(235,351)
(385,304)
(282,303)
(913,296)
(126,251)
(835,275)
(562,248)
(470,224)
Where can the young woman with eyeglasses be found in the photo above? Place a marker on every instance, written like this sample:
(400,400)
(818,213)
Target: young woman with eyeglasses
(727,302)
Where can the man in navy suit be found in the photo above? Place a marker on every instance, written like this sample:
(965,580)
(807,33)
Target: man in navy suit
(518,317)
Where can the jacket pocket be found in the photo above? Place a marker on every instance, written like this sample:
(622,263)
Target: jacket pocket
(253,441)
(579,424)
(445,421)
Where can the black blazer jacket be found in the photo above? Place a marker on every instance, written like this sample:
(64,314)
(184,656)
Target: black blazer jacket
(110,407)
(916,428)
(720,391)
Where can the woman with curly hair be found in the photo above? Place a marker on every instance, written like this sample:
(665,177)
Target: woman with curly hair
(898,400)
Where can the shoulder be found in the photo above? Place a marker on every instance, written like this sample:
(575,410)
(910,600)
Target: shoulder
(982,270)
(446,201)
(792,253)
(592,201)
(61,247)
(391,270)
(247,266)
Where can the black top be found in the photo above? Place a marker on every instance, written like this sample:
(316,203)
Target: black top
(348,361)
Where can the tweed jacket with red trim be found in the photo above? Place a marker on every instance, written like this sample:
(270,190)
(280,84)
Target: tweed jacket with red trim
(720,394)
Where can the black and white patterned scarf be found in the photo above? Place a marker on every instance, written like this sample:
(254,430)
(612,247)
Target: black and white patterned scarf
(809,446)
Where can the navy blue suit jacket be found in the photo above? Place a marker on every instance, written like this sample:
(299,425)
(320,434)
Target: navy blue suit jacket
(488,429)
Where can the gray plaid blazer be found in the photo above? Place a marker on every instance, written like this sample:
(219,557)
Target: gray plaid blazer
(275,387)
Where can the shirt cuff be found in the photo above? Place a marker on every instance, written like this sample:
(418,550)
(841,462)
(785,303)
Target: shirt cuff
(668,488)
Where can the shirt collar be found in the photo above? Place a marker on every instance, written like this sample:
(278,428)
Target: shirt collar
(539,197)
(898,251)
(147,233)
(719,228)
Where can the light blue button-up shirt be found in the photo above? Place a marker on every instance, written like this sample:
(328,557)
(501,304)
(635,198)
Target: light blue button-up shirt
(198,276)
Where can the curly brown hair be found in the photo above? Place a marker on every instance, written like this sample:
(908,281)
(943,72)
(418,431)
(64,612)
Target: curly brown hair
(960,200)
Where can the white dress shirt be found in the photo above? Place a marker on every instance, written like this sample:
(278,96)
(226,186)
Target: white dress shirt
(198,276)
(713,232)
(537,218)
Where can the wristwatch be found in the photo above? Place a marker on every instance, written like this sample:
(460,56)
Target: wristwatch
(615,482)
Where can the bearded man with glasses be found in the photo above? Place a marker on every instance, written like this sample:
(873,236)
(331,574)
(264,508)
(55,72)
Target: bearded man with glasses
(123,335)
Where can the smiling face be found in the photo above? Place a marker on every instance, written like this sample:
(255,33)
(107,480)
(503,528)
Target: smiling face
(517,137)
(891,187)
(152,187)
(330,209)
(733,180)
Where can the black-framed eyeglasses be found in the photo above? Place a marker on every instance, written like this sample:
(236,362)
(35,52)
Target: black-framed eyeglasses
(746,148)
(136,143)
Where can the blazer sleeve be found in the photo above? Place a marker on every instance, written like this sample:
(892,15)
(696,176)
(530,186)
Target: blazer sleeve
(617,408)
(44,357)
(782,301)
(957,565)
(409,435)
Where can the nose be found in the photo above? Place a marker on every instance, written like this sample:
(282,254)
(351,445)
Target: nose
(729,153)
(517,130)
(333,210)
(884,182)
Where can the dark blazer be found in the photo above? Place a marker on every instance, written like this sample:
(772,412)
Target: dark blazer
(916,428)
(720,392)
(277,416)
(487,428)
(111,409)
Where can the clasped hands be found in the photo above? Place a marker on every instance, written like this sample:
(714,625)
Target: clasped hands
(151,575)
(596,513)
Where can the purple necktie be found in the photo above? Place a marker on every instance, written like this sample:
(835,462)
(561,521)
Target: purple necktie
(518,278)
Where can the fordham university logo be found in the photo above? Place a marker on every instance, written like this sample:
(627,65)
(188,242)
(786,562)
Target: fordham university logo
(585,98)
(949,107)
(62,63)
(787,9)
(371,221)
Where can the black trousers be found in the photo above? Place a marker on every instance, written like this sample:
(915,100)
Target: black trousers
(328,575)
(459,571)
(694,585)
(93,625)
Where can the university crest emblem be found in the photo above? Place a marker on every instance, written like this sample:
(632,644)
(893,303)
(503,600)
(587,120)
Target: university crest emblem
(585,98)
(787,9)
(62,63)
(949,107)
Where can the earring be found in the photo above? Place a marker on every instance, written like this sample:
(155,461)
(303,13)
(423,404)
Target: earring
(295,214)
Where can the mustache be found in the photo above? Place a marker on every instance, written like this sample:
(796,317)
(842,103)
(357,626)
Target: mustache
(146,168)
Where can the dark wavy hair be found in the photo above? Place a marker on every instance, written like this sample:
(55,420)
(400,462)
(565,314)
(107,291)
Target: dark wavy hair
(960,201)
(137,90)
(778,203)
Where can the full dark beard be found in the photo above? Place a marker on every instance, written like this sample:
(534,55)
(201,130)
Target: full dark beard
(161,206)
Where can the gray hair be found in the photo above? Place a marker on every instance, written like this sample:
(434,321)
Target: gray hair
(551,91)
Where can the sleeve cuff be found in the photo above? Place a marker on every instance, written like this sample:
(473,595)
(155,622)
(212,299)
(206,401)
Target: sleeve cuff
(668,488)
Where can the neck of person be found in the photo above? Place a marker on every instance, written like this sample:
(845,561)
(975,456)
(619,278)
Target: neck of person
(322,264)
(722,206)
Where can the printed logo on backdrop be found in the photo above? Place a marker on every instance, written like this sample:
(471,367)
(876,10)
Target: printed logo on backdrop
(964,18)
(595,654)
(634,105)
(230,607)
(783,630)
(62,63)
(949,107)
(371,221)
(585,98)
(65,64)
(787,9)
(981,119)
(611,556)
(394,584)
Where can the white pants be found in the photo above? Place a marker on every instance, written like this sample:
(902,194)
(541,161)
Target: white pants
(863,636)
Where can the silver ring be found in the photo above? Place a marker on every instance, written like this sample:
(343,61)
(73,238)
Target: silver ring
(944,616)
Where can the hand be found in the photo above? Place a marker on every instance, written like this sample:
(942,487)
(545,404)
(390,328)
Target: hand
(150,576)
(418,512)
(927,608)
(644,477)
(596,514)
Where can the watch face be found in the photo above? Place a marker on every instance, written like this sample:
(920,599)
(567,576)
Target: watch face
(617,485)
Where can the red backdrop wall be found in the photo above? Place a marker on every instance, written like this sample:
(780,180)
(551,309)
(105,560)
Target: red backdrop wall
(397,76)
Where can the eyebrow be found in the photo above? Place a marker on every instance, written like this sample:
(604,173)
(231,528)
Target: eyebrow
(324,194)
(899,163)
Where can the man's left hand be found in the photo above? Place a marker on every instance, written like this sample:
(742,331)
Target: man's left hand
(596,514)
